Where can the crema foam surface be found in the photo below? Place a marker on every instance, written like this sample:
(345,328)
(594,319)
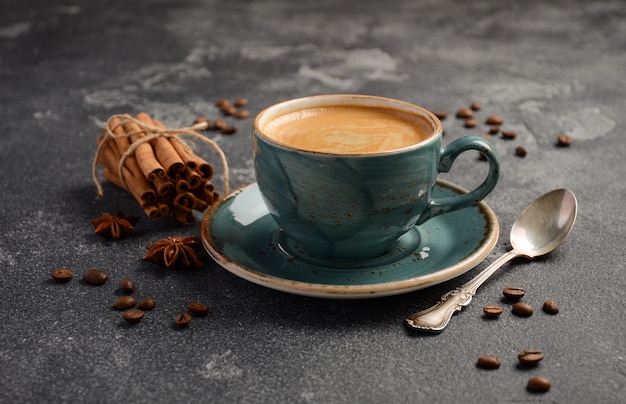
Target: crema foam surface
(348,129)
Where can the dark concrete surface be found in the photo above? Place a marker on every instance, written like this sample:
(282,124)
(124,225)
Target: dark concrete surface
(66,66)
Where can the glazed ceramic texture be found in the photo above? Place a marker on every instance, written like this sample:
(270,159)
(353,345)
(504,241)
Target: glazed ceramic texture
(239,233)
(355,207)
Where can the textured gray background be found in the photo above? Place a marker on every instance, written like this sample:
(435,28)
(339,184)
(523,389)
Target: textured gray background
(65,66)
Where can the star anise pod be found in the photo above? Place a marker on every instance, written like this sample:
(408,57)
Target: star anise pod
(174,251)
(115,227)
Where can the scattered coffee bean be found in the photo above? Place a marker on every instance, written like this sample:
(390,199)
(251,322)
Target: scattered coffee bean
(200,119)
(241,102)
(228,109)
(95,277)
(242,114)
(441,114)
(464,113)
(530,357)
(509,134)
(539,384)
(550,307)
(486,136)
(470,123)
(513,292)
(182,319)
(147,303)
(229,130)
(522,309)
(520,151)
(488,362)
(494,129)
(222,102)
(564,140)
(124,303)
(62,275)
(220,124)
(494,120)
(475,106)
(492,311)
(133,316)
(198,309)
(127,285)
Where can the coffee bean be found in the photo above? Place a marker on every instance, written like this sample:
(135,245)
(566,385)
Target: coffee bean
(182,319)
(124,303)
(488,362)
(243,114)
(551,307)
(241,102)
(522,309)
(475,106)
(530,357)
(127,285)
(494,129)
(200,119)
(470,123)
(539,384)
(62,275)
(441,114)
(229,130)
(486,136)
(198,309)
(564,140)
(509,134)
(220,124)
(228,110)
(133,316)
(494,120)
(520,151)
(513,292)
(492,311)
(222,102)
(95,277)
(147,303)
(464,113)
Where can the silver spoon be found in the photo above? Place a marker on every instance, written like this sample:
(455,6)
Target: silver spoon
(538,230)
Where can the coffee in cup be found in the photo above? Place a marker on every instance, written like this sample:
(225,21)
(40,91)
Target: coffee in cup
(346,176)
(348,129)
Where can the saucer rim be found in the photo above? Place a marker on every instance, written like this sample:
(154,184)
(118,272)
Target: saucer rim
(487,244)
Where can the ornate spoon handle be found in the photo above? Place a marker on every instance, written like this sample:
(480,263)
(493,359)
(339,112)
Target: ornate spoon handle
(436,318)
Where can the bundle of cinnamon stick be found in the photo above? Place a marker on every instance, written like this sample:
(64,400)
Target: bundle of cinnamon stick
(144,157)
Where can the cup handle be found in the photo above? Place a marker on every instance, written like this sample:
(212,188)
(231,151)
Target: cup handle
(449,153)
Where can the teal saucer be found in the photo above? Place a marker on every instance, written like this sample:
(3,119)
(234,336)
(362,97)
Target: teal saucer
(242,237)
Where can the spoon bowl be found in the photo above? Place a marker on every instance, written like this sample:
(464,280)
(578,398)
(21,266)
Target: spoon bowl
(539,229)
(544,224)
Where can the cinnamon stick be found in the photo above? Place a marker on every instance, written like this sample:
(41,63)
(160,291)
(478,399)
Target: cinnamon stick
(184,152)
(164,151)
(121,141)
(193,178)
(144,154)
(184,216)
(165,189)
(184,200)
(153,212)
(140,187)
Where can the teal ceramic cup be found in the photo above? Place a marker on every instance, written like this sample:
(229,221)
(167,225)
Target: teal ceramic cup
(337,206)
